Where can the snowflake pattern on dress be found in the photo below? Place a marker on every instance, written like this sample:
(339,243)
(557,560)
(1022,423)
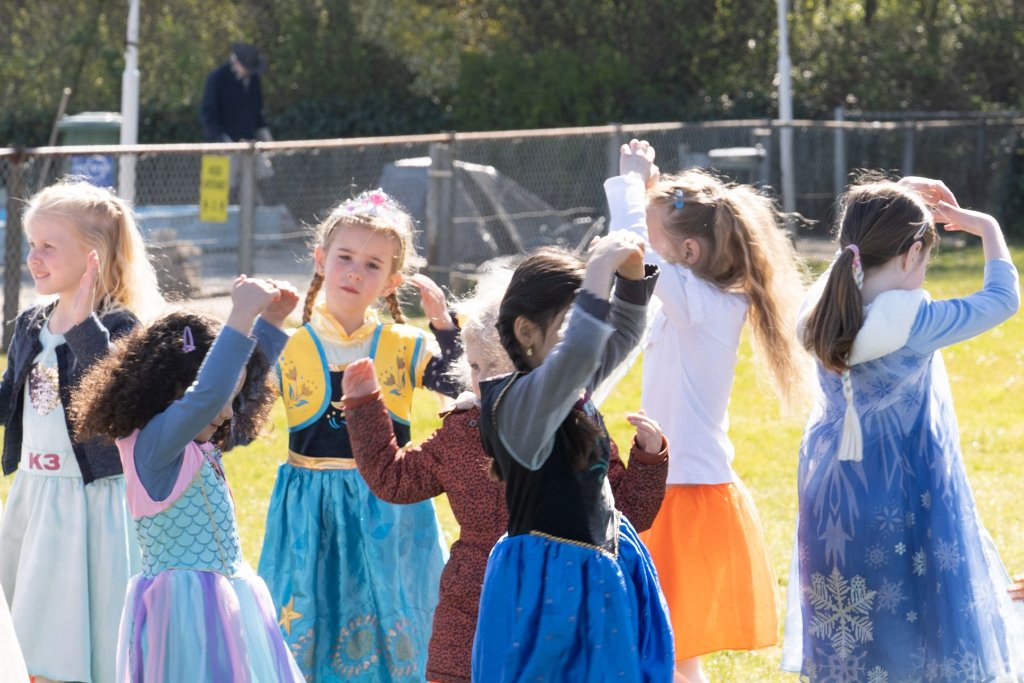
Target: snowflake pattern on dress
(44,388)
(889,544)
(841,611)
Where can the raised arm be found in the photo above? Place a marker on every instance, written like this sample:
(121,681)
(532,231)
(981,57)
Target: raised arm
(627,208)
(397,475)
(161,443)
(536,404)
(640,488)
(941,323)
(436,373)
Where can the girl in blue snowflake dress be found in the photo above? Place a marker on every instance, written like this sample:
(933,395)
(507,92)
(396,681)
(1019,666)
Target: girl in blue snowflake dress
(897,580)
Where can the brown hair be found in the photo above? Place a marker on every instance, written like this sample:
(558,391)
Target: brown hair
(378,212)
(104,222)
(744,251)
(884,220)
(544,285)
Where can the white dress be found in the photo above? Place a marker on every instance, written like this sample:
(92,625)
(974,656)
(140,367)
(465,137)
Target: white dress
(67,550)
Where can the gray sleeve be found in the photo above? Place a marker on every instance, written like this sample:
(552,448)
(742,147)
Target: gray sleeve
(538,402)
(161,443)
(628,315)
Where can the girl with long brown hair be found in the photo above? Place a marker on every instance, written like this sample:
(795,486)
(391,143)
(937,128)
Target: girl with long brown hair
(725,261)
(896,574)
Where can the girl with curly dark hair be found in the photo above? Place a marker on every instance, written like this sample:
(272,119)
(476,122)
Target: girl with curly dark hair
(173,395)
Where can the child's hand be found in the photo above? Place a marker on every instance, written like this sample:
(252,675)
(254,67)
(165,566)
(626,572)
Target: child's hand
(649,436)
(85,296)
(637,156)
(278,309)
(359,379)
(249,298)
(435,306)
(932,191)
(964,220)
(619,251)
(1017,589)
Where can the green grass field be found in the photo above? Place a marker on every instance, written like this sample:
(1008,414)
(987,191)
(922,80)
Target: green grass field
(985,373)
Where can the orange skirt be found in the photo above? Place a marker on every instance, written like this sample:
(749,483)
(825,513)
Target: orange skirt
(708,546)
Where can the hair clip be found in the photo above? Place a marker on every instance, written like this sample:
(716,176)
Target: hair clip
(188,344)
(921,231)
(677,198)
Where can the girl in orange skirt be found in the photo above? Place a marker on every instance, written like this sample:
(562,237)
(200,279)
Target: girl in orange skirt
(723,259)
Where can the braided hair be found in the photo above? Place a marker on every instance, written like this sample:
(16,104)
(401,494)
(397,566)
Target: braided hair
(379,212)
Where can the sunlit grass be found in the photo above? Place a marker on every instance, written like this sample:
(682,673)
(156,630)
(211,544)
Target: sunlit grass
(986,373)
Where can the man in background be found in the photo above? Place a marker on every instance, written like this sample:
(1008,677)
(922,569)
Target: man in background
(232,108)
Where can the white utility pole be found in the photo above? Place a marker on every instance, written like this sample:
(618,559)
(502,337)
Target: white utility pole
(785,112)
(129,105)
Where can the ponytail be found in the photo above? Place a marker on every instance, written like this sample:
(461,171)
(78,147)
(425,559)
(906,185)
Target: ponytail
(745,251)
(832,326)
(878,221)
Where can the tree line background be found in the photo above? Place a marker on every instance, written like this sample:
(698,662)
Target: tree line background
(378,67)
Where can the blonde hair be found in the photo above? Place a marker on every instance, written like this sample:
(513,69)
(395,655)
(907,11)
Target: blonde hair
(478,316)
(105,223)
(378,212)
(744,251)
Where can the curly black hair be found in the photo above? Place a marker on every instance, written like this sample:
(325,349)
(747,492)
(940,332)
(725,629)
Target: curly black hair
(149,369)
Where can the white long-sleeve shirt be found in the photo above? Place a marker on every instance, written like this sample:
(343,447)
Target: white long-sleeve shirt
(690,358)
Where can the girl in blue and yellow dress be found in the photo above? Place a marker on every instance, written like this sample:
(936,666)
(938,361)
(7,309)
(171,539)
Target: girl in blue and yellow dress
(355,578)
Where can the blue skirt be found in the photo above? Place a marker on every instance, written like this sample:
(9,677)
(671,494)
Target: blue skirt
(354,579)
(559,612)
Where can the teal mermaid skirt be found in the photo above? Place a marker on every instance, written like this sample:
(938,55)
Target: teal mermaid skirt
(354,579)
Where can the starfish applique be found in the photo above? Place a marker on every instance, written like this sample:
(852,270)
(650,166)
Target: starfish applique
(288,615)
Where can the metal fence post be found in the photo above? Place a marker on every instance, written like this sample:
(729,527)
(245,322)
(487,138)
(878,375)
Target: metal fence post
(440,192)
(247,211)
(614,143)
(12,245)
(839,153)
(909,135)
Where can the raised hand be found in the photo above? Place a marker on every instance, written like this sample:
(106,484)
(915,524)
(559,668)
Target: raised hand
(250,296)
(963,220)
(85,296)
(435,306)
(648,432)
(619,251)
(359,379)
(287,299)
(932,191)
(637,156)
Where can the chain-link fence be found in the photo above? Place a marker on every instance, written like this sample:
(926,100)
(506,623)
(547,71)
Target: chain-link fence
(479,195)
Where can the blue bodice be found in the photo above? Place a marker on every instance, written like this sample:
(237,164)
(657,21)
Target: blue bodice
(198,531)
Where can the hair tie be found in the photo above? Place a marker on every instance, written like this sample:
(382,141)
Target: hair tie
(677,198)
(187,342)
(858,270)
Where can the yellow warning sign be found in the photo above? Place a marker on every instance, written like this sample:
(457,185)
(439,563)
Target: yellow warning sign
(213,188)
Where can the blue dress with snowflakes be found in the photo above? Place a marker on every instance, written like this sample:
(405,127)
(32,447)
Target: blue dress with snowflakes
(897,579)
